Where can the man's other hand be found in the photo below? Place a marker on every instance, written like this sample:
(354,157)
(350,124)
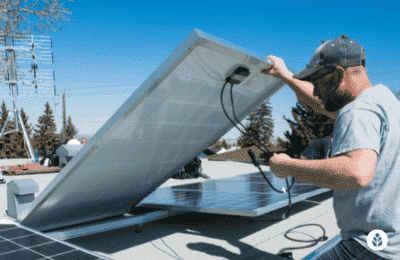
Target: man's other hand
(278,165)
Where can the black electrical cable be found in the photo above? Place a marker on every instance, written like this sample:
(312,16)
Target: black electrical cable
(282,252)
(313,241)
(270,154)
(286,215)
(255,138)
(233,123)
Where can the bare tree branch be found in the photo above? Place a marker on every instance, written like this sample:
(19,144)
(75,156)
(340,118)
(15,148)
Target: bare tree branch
(30,16)
(19,18)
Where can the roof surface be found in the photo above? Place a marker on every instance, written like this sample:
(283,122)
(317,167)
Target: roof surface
(207,236)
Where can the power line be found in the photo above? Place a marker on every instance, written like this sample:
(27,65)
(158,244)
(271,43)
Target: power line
(386,62)
(385,72)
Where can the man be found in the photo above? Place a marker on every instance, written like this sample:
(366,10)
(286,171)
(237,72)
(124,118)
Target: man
(83,140)
(364,168)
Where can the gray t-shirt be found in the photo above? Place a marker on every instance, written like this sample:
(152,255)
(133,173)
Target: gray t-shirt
(371,121)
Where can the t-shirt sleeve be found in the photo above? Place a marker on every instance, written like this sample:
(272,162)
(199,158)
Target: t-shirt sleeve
(356,129)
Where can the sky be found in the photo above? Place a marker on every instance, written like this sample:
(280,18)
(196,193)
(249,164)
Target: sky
(108,50)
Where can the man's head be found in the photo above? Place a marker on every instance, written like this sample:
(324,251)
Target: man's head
(337,71)
(340,87)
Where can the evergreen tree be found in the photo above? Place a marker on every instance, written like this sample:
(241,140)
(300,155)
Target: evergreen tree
(45,138)
(397,94)
(220,144)
(307,127)
(18,148)
(5,141)
(21,148)
(70,131)
(260,127)
(25,118)
(280,143)
(12,145)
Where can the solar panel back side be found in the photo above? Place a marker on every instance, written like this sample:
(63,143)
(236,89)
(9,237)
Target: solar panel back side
(173,116)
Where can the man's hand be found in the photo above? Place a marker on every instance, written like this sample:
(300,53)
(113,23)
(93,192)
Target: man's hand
(279,70)
(278,165)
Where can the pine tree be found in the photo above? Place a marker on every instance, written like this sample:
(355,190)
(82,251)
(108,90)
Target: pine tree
(70,131)
(45,138)
(307,127)
(220,144)
(5,141)
(21,147)
(259,129)
(12,145)
(397,94)
(25,118)
(280,143)
(17,145)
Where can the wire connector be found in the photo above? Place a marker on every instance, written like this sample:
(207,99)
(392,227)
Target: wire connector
(238,75)
(287,255)
(253,158)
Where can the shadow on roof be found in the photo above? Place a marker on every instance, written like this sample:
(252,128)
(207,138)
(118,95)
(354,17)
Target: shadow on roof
(224,227)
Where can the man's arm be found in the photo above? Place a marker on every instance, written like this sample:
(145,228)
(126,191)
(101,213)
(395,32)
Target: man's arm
(304,90)
(348,171)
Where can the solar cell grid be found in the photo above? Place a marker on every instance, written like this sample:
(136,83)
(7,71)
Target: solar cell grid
(19,243)
(257,177)
(244,195)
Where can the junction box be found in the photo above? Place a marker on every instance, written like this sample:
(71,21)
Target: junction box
(20,194)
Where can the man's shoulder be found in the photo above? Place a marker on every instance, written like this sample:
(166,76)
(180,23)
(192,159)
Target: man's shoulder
(370,100)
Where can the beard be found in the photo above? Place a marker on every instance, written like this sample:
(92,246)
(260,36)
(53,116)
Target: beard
(335,102)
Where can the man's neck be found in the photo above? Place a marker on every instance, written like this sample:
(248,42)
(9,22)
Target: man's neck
(360,86)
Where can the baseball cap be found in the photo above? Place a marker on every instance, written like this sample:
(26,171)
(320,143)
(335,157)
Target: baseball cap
(341,51)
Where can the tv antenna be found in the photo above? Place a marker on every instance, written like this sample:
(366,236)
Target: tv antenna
(25,49)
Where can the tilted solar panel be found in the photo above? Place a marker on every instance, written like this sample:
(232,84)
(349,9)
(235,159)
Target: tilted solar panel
(20,243)
(244,195)
(172,117)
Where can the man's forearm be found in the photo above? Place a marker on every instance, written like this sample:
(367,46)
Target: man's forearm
(305,94)
(303,89)
(334,173)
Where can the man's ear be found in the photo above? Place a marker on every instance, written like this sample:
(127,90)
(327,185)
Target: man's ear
(341,71)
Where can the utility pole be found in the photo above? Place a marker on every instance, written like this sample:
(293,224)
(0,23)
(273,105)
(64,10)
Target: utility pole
(64,112)
(63,131)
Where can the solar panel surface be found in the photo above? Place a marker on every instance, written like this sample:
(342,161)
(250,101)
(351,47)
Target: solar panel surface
(172,117)
(244,195)
(20,243)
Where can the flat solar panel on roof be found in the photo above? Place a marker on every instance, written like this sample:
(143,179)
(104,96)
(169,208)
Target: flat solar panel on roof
(20,243)
(244,195)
